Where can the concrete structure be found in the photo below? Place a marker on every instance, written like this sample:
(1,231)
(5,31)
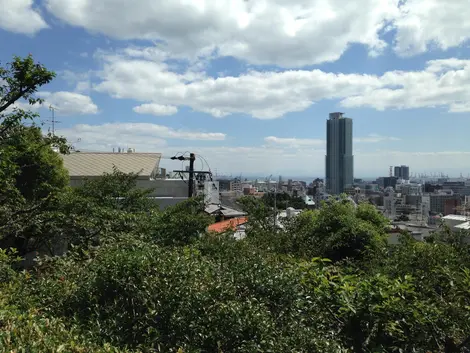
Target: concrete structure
(439,200)
(84,166)
(458,187)
(385,182)
(339,153)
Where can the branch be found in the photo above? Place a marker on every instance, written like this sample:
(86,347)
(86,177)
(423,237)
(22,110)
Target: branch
(15,97)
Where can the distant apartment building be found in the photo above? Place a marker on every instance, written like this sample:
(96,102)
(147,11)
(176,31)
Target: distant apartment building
(224,184)
(236,185)
(402,172)
(444,202)
(458,187)
(385,182)
(339,153)
(409,189)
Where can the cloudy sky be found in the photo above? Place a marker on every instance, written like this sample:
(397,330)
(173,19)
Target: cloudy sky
(248,84)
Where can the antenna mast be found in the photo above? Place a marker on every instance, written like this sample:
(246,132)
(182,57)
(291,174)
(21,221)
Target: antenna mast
(53,121)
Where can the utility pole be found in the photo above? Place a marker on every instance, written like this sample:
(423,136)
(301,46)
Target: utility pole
(191,171)
(192,158)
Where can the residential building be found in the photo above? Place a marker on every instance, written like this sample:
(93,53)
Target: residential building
(386,182)
(439,200)
(339,153)
(459,187)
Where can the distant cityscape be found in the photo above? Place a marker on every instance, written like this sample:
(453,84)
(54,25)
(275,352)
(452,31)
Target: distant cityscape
(414,201)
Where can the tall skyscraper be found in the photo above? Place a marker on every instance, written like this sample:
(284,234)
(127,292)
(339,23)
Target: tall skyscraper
(339,153)
(402,172)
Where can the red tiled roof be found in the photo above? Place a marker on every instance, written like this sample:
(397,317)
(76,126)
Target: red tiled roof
(229,224)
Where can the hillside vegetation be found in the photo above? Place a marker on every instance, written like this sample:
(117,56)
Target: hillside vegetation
(139,280)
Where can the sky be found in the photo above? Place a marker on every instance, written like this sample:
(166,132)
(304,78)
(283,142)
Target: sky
(247,85)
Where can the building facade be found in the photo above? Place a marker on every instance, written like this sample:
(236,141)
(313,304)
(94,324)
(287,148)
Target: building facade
(402,172)
(339,153)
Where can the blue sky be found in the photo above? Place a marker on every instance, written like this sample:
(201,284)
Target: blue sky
(249,84)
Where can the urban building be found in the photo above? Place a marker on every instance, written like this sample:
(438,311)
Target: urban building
(339,153)
(444,202)
(385,182)
(459,187)
(402,172)
(84,166)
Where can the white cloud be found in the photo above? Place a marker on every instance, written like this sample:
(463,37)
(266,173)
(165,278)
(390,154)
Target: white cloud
(374,138)
(155,109)
(423,23)
(65,103)
(20,16)
(292,142)
(289,33)
(259,94)
(443,83)
(69,103)
(264,94)
(141,136)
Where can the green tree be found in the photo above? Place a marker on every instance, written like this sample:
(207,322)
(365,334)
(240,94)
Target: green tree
(19,79)
(40,169)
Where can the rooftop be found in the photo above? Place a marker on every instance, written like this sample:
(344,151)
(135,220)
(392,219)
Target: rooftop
(91,164)
(465,225)
(455,217)
(230,224)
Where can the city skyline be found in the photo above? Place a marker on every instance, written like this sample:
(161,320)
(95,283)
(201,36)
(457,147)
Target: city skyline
(220,80)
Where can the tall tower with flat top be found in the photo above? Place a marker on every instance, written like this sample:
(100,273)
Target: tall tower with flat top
(339,153)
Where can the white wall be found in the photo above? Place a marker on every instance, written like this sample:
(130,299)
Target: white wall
(163,187)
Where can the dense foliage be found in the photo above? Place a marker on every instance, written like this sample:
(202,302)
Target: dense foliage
(137,279)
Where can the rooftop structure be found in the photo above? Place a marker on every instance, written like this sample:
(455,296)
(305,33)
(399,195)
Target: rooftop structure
(95,164)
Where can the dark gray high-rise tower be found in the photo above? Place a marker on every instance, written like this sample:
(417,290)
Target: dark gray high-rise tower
(402,172)
(339,153)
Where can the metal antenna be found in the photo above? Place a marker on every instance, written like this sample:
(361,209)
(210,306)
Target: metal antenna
(53,121)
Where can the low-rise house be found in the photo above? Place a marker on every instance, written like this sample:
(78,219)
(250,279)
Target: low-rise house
(237,225)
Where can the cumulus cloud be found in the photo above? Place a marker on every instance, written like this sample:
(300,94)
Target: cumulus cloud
(141,136)
(272,94)
(65,103)
(20,16)
(69,103)
(287,33)
(262,95)
(443,83)
(155,109)
(423,23)
(283,32)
